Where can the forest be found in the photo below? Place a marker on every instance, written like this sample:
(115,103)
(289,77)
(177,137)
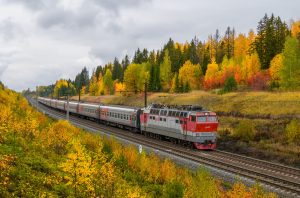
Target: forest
(266,60)
(41,157)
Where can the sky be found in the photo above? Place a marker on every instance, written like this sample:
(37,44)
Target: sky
(42,41)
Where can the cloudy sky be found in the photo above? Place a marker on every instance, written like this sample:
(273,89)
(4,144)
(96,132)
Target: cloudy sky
(44,40)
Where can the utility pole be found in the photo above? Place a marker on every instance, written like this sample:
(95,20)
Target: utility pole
(68,106)
(68,92)
(37,95)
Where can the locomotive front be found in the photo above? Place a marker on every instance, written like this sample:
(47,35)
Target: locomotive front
(204,125)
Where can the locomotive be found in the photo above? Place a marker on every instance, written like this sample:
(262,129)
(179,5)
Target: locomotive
(187,125)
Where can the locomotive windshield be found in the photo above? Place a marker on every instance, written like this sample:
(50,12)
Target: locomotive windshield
(201,119)
(211,119)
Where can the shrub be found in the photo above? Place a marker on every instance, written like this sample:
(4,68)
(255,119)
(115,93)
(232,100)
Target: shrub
(245,131)
(230,84)
(292,131)
(173,190)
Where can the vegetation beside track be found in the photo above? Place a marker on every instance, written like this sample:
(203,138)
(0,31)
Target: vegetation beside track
(40,157)
(267,114)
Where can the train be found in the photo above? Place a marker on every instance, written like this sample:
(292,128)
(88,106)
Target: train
(188,125)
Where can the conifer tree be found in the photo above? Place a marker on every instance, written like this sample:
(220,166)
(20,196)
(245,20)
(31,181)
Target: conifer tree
(271,34)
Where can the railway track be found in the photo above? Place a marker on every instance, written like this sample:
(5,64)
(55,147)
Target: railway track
(285,178)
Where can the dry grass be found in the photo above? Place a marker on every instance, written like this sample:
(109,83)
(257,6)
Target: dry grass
(253,103)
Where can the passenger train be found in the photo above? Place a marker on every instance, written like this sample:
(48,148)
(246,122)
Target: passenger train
(186,125)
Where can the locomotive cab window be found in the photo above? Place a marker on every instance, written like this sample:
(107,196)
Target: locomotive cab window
(201,119)
(212,119)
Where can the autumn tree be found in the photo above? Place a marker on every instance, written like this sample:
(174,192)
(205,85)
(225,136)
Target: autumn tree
(135,77)
(295,29)
(190,75)
(275,68)
(250,66)
(108,82)
(93,88)
(212,76)
(165,71)
(80,170)
(63,88)
(290,72)
(241,46)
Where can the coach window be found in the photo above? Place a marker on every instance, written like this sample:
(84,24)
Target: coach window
(174,113)
(185,114)
(176,121)
(160,112)
(165,119)
(160,119)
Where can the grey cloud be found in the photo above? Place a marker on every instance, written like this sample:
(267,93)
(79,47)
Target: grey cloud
(31,4)
(116,5)
(3,67)
(92,32)
(67,18)
(9,30)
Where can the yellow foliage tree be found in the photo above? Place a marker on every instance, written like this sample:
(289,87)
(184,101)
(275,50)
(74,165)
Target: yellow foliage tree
(190,73)
(241,46)
(94,86)
(165,71)
(119,87)
(58,135)
(60,84)
(135,76)
(250,66)
(275,67)
(295,29)
(80,170)
(212,75)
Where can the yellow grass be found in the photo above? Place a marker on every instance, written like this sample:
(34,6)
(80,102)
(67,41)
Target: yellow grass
(275,103)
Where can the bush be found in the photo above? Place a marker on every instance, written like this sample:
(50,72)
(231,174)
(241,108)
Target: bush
(230,84)
(245,131)
(292,131)
(173,190)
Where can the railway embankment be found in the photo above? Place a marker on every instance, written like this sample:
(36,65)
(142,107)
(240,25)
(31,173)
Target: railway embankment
(265,125)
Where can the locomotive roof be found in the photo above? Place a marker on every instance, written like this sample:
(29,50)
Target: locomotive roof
(193,108)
